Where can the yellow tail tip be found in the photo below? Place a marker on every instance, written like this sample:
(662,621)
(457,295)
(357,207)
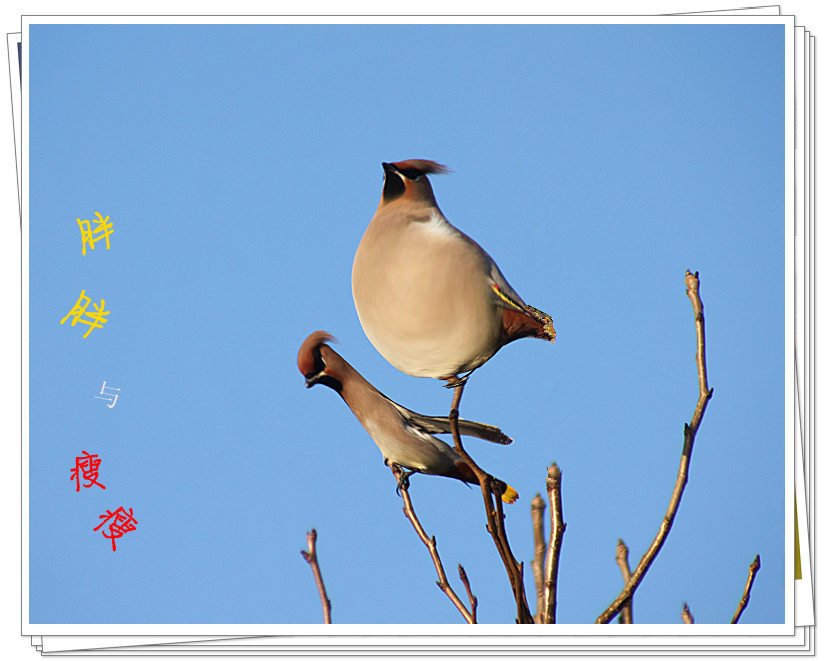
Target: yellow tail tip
(547,323)
(510,495)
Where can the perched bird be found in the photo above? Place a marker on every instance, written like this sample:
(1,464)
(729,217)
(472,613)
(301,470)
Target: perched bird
(404,437)
(429,298)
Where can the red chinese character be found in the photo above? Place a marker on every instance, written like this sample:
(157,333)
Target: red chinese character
(122,524)
(86,467)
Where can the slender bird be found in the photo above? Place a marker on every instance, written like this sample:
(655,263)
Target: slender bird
(429,298)
(404,437)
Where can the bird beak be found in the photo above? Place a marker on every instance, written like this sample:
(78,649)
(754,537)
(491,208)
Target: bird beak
(312,379)
(388,169)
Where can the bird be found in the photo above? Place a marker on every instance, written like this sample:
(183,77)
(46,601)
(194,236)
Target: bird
(404,437)
(428,297)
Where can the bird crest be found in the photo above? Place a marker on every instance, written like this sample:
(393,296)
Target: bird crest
(407,178)
(416,167)
(307,356)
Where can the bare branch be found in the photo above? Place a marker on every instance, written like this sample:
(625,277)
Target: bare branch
(626,615)
(744,600)
(430,543)
(517,567)
(692,281)
(688,618)
(473,600)
(554,487)
(496,518)
(538,562)
(312,559)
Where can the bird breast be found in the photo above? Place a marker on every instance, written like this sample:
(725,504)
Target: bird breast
(422,294)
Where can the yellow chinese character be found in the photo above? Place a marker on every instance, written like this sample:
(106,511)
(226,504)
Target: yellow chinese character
(95,319)
(87,234)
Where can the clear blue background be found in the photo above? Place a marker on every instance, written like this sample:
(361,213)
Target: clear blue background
(240,166)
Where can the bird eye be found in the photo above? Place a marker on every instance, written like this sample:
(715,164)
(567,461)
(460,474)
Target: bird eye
(411,173)
(318,365)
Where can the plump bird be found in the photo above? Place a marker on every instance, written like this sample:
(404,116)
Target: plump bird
(429,298)
(404,437)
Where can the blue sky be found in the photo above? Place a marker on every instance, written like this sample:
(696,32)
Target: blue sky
(240,166)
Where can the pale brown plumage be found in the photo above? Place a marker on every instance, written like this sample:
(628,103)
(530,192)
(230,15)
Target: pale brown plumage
(404,437)
(429,298)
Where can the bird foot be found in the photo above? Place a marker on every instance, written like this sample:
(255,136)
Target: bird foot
(456,381)
(403,480)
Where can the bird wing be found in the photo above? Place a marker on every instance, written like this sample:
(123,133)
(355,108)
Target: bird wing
(528,320)
(441,425)
(505,294)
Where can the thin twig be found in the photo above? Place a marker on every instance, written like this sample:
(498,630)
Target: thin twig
(473,600)
(495,525)
(688,618)
(626,615)
(754,567)
(554,487)
(538,562)
(692,281)
(519,576)
(312,559)
(430,543)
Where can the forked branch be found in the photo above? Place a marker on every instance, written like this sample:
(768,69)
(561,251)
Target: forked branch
(430,543)
(495,515)
(692,281)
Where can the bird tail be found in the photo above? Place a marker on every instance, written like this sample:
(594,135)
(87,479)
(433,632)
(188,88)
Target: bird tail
(510,495)
(548,331)
(523,320)
(461,471)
